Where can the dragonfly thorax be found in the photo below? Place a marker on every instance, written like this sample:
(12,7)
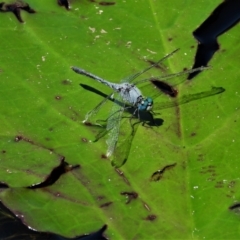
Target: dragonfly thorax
(145,104)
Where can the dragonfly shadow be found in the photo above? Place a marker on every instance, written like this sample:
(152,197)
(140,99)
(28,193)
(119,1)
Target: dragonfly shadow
(146,118)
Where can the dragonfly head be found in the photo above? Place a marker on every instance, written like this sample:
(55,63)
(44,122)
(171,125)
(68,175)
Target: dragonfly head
(145,104)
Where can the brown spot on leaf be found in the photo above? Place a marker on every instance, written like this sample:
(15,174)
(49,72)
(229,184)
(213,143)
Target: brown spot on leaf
(87,123)
(151,217)
(156,176)
(121,174)
(231,184)
(130,196)
(66,82)
(105,204)
(18,138)
(235,207)
(16,8)
(84,140)
(106,3)
(58,97)
(99,198)
(64,3)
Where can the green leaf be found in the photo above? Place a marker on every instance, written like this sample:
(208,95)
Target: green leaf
(41,101)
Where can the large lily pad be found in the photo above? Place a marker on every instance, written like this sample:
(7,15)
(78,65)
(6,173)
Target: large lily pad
(195,152)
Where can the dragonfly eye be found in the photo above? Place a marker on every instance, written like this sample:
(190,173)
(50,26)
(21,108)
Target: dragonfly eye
(145,105)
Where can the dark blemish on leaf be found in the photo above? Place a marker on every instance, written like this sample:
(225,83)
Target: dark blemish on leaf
(27,8)
(87,123)
(184,165)
(209,169)
(225,16)
(57,194)
(192,46)
(165,87)
(3,151)
(50,129)
(193,134)
(3,185)
(235,206)
(16,8)
(219,184)
(211,166)
(104,156)
(22,138)
(18,138)
(99,198)
(58,97)
(84,140)
(105,204)
(211,179)
(170,39)
(178,127)
(121,174)
(151,217)
(66,82)
(231,184)
(200,157)
(47,139)
(156,176)
(130,196)
(106,3)
(63,168)
(64,3)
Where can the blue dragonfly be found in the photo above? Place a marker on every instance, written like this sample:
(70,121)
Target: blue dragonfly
(130,97)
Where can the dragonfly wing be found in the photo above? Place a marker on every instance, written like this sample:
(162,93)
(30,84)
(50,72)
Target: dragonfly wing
(170,80)
(189,98)
(127,133)
(94,111)
(152,66)
(113,125)
(134,76)
(172,76)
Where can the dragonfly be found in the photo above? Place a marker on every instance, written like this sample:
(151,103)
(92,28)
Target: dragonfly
(130,96)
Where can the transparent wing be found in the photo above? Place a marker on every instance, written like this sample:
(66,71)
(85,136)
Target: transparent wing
(127,133)
(94,111)
(170,76)
(113,126)
(189,98)
(134,76)
(172,80)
